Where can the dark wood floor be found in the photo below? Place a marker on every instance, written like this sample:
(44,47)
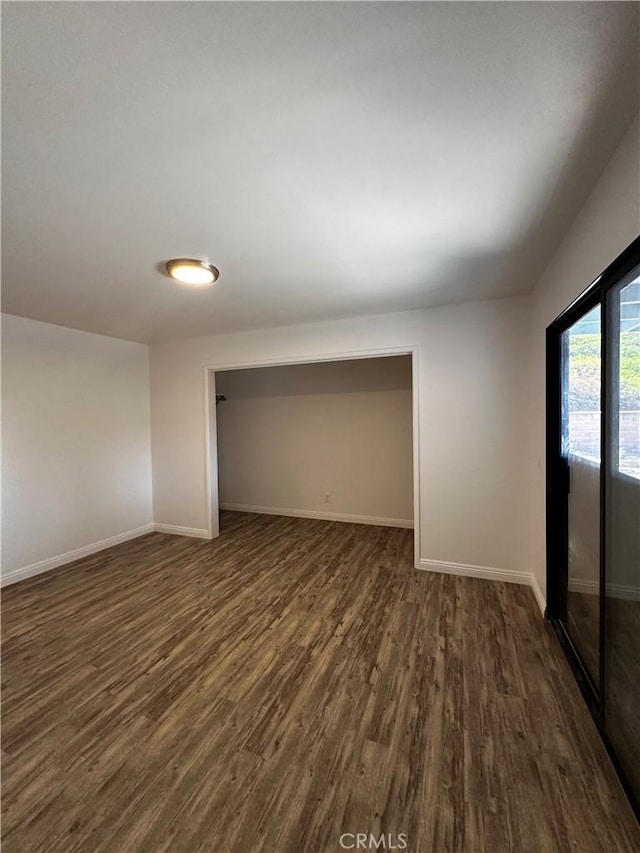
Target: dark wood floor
(290,682)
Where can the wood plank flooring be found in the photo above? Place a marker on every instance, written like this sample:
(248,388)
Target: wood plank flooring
(287,683)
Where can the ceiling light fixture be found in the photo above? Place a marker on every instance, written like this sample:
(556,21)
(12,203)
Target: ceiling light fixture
(192,271)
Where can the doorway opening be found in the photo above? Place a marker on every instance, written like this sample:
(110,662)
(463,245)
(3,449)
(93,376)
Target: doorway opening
(312,437)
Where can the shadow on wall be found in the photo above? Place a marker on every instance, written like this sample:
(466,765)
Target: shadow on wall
(329,377)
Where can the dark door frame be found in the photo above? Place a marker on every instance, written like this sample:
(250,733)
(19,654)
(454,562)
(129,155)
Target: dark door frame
(558,490)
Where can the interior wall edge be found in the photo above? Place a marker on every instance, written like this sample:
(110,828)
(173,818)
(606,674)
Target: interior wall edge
(539,595)
(50,563)
(488,573)
(177,530)
(470,571)
(376,521)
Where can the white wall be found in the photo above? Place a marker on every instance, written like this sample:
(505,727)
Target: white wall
(290,436)
(606,224)
(76,462)
(472,365)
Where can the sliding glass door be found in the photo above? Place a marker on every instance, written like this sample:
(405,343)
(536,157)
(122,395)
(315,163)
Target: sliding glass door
(581,442)
(593,502)
(622,532)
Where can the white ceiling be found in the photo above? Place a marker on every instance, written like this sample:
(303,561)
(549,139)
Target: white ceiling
(331,159)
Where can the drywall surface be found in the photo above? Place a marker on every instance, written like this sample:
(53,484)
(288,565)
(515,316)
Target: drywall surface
(472,367)
(76,461)
(332,437)
(606,224)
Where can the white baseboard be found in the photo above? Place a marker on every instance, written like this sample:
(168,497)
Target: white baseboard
(587,587)
(486,573)
(625,592)
(77,554)
(483,572)
(195,532)
(323,516)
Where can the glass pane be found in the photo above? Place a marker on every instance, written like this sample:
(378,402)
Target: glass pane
(622,558)
(628,378)
(581,406)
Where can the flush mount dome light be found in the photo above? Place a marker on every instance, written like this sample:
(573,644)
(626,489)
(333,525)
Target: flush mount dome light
(193,272)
